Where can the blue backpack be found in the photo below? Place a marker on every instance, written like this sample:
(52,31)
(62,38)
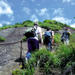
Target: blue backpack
(47,37)
(48,34)
(65,35)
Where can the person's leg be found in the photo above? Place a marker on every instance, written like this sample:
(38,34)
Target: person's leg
(67,41)
(36,44)
(33,44)
(50,45)
(29,44)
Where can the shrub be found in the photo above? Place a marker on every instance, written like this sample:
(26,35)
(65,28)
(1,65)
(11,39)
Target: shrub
(2,39)
(23,72)
(47,60)
(50,62)
(18,72)
(57,38)
(24,38)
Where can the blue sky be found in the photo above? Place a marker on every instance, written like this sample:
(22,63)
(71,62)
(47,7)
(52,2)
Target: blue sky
(13,11)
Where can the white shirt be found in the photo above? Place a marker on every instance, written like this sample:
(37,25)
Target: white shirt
(38,32)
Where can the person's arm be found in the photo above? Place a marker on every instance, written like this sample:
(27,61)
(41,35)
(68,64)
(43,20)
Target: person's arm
(52,34)
(41,38)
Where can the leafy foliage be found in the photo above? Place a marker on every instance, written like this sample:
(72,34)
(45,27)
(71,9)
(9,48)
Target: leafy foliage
(24,39)
(57,38)
(54,25)
(2,39)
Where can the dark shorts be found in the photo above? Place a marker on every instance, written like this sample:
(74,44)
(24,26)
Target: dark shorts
(33,44)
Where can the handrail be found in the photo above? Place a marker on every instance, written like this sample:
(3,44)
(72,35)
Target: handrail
(10,43)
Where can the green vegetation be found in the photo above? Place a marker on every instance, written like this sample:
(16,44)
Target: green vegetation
(50,62)
(2,39)
(57,37)
(24,39)
(54,25)
(47,62)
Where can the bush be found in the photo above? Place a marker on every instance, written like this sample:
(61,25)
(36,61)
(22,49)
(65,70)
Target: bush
(24,39)
(50,62)
(23,72)
(47,60)
(2,39)
(18,72)
(57,38)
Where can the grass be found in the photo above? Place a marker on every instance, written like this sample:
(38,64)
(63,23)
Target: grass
(49,61)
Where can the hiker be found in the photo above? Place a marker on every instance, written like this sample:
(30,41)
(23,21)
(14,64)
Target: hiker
(38,32)
(33,41)
(48,39)
(65,36)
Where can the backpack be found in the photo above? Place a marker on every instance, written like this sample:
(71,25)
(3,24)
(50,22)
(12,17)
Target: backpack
(47,37)
(65,35)
(30,33)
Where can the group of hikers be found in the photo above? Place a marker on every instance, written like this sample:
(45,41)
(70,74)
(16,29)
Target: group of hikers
(47,38)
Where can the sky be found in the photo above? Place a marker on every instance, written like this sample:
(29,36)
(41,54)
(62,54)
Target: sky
(17,11)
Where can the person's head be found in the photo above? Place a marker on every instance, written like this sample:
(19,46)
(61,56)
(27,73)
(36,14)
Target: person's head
(66,28)
(48,29)
(36,24)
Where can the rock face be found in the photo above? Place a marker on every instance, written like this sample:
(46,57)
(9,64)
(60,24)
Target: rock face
(10,52)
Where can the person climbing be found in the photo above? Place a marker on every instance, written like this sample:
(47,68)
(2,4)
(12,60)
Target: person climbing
(65,36)
(33,42)
(48,39)
(38,32)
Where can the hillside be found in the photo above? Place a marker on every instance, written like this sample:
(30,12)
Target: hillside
(10,52)
(54,25)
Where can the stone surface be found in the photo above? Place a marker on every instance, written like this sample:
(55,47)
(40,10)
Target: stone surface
(10,52)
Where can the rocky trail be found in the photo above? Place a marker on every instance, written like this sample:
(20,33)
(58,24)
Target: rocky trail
(10,52)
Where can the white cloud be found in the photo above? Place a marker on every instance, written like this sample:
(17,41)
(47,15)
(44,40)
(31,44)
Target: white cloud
(66,1)
(27,10)
(72,2)
(4,23)
(1,25)
(34,18)
(7,23)
(58,11)
(5,8)
(73,25)
(43,13)
(62,20)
